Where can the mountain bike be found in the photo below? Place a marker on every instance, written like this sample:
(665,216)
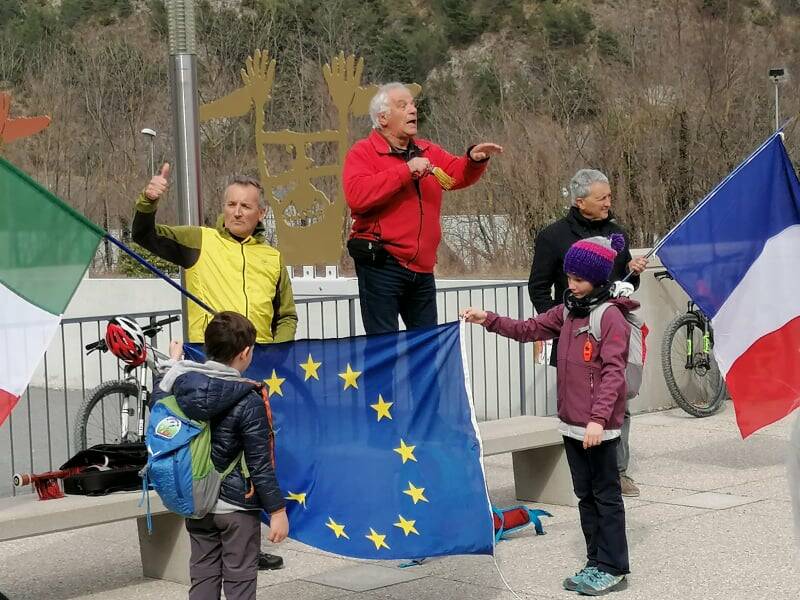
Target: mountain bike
(690,370)
(114,411)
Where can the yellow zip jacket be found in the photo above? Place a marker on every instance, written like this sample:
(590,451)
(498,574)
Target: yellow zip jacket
(246,276)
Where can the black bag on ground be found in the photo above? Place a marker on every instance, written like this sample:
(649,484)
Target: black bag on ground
(106,468)
(367,252)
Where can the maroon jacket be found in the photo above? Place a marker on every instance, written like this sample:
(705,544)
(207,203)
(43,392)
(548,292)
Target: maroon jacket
(591,379)
(388,205)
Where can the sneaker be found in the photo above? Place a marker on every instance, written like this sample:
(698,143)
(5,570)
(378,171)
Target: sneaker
(269,562)
(599,583)
(629,489)
(571,583)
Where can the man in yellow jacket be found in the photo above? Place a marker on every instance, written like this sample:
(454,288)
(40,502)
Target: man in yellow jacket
(229,267)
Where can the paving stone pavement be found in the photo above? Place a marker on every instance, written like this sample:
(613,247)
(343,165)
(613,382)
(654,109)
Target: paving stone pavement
(713,521)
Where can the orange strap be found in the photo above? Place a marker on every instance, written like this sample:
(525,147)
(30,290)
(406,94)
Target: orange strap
(265,397)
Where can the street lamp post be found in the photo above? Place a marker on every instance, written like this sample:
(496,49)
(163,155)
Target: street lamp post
(183,83)
(778,76)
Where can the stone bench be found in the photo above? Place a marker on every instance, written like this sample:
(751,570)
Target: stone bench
(165,552)
(541,472)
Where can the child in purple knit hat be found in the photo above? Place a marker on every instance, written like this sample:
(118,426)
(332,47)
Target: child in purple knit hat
(591,401)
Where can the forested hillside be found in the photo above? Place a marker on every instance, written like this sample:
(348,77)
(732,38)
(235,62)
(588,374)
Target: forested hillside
(665,96)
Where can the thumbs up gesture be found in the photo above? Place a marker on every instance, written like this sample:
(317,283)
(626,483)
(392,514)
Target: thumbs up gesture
(158,184)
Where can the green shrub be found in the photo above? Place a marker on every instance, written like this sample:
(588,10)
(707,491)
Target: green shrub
(460,25)
(609,48)
(130,267)
(566,24)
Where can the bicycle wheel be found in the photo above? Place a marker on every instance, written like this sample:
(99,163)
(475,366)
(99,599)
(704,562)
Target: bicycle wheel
(700,391)
(99,419)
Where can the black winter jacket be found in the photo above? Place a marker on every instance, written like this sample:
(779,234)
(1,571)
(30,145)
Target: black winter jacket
(550,248)
(238,419)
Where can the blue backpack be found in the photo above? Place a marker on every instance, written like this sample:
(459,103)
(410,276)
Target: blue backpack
(179,466)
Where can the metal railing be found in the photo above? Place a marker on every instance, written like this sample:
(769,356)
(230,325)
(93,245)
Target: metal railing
(37,437)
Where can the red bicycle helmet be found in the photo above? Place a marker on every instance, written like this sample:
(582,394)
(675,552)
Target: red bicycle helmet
(125,340)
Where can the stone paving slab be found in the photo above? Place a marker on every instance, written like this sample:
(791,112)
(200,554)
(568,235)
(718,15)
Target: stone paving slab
(710,500)
(735,554)
(363,578)
(722,421)
(302,589)
(772,487)
(302,564)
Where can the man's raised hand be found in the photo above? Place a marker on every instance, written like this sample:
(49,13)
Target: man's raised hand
(158,184)
(485,150)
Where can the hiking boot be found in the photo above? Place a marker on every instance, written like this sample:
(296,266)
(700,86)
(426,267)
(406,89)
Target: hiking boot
(269,562)
(571,583)
(629,489)
(599,583)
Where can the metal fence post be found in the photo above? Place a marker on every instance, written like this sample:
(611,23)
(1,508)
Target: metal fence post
(523,409)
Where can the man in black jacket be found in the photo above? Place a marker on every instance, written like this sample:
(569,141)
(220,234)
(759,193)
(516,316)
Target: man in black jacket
(589,215)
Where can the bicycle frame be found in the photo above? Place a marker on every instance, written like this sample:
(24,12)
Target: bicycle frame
(699,361)
(708,339)
(138,375)
(705,326)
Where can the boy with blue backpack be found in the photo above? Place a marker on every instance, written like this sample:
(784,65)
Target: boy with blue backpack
(595,374)
(212,460)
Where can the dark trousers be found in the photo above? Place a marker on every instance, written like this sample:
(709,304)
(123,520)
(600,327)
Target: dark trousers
(391,290)
(595,479)
(224,553)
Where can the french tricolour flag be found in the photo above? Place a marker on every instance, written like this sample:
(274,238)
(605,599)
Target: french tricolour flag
(737,255)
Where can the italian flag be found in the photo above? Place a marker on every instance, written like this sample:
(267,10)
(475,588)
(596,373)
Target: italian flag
(45,249)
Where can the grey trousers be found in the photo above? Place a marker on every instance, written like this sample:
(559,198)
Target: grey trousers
(224,554)
(623,449)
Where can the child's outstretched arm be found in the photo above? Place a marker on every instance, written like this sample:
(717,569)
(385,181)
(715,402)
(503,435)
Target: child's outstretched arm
(543,327)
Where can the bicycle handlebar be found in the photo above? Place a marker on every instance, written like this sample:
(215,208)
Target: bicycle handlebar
(98,345)
(151,330)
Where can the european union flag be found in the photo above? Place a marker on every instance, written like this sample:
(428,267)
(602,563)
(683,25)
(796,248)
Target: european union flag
(377,447)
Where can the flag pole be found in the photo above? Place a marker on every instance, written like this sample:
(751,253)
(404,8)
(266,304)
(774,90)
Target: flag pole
(186,294)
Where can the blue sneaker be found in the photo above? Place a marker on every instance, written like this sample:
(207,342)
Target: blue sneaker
(571,583)
(599,583)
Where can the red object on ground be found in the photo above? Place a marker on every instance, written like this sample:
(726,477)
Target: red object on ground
(47,485)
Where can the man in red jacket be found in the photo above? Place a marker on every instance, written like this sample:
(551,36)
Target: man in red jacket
(396,205)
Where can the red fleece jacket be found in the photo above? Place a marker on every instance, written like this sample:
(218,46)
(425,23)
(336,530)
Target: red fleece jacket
(388,205)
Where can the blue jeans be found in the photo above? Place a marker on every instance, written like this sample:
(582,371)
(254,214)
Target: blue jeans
(391,290)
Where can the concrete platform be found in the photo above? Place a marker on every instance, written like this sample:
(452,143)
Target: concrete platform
(713,521)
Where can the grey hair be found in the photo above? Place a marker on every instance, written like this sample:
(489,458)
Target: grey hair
(581,182)
(380,102)
(247,180)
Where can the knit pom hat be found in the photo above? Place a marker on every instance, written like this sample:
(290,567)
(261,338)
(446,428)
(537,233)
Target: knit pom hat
(593,258)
